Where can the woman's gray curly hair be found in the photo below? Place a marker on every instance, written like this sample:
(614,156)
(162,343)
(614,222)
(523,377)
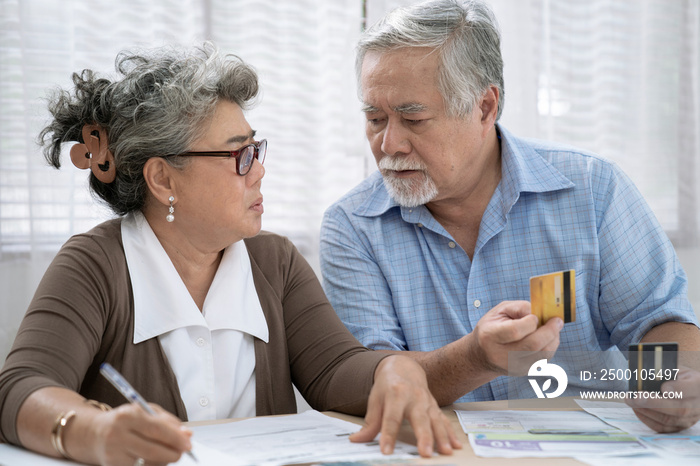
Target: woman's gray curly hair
(155,109)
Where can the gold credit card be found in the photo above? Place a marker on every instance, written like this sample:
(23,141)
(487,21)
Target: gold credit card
(554,295)
(652,364)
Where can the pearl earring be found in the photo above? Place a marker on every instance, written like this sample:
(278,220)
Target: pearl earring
(170,217)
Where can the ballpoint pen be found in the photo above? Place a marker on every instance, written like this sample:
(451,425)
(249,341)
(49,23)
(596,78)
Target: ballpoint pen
(125,388)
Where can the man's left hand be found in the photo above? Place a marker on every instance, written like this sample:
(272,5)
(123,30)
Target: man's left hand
(672,415)
(400,391)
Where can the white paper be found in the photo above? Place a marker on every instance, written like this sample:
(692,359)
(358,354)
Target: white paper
(300,438)
(685,442)
(512,434)
(270,440)
(16,456)
(622,416)
(641,460)
(206,456)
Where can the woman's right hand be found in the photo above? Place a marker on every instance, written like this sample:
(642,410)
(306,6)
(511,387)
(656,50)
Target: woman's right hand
(127,433)
(116,437)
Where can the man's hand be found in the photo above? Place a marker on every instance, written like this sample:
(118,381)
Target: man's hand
(482,355)
(400,391)
(672,415)
(510,326)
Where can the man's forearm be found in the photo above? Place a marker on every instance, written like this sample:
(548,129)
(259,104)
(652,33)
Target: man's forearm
(686,335)
(452,370)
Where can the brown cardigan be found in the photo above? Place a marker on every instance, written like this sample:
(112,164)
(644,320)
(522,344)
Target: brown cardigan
(83,314)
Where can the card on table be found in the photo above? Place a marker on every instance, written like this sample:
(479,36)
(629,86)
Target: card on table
(652,364)
(554,295)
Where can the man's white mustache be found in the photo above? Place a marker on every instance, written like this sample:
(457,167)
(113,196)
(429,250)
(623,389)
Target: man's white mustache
(399,164)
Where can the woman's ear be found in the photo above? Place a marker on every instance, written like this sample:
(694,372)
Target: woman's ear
(159,176)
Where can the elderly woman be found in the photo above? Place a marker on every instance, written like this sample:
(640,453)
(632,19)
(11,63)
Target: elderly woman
(207,317)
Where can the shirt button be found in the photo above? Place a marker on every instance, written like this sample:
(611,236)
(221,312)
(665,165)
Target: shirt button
(203,401)
(420,225)
(201,342)
(477,303)
(451,244)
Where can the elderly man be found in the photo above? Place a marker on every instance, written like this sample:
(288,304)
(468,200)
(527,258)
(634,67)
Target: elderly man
(432,255)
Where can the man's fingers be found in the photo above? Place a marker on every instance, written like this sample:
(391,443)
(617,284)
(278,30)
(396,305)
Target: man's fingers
(648,421)
(391,423)
(445,438)
(423,429)
(546,338)
(373,421)
(513,309)
(660,422)
(665,420)
(366,434)
(510,331)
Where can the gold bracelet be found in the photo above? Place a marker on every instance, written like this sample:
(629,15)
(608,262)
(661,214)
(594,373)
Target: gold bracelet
(57,432)
(99,405)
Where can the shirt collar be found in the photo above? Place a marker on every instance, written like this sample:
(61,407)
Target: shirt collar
(162,302)
(523,169)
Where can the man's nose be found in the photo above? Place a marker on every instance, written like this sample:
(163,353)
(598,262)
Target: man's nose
(395,139)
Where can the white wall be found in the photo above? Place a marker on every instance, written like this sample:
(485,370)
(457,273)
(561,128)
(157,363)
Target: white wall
(14,300)
(690,259)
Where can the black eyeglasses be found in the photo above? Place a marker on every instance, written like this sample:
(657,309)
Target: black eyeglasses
(244,156)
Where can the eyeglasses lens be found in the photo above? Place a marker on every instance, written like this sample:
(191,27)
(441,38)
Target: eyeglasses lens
(246,159)
(262,151)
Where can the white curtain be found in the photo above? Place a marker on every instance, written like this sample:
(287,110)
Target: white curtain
(619,77)
(308,110)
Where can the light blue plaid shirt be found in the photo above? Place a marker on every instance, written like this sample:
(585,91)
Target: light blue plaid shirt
(399,281)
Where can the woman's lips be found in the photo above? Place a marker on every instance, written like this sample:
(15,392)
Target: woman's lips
(257,206)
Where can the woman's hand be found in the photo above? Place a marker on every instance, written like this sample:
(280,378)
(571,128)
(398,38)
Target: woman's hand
(117,437)
(400,391)
(128,433)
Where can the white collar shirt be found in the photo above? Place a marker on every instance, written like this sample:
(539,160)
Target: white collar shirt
(211,352)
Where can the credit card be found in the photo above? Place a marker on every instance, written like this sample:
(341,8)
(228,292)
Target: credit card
(554,295)
(652,364)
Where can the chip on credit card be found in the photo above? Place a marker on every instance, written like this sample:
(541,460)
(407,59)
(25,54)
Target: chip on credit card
(554,295)
(652,364)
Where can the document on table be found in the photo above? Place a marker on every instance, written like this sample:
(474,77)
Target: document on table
(271,440)
(11,455)
(301,438)
(517,434)
(685,442)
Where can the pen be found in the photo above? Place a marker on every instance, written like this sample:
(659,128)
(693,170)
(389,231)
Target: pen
(125,388)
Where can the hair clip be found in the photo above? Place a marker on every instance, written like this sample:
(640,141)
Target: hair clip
(94,154)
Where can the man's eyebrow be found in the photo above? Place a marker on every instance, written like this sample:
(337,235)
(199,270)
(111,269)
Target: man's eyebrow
(412,107)
(241,138)
(407,108)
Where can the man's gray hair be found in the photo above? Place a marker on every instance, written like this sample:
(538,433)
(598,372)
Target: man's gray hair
(156,109)
(464,33)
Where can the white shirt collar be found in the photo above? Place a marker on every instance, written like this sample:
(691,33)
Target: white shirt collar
(162,302)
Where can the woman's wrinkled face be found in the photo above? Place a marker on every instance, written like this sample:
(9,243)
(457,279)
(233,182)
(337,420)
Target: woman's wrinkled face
(220,206)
